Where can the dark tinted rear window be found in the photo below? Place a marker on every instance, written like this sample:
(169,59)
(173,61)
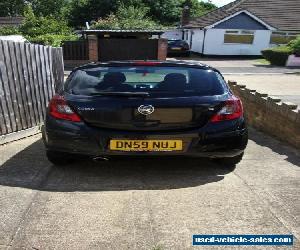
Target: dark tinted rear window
(181,81)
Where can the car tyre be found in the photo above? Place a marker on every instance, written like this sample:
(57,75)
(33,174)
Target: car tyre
(59,158)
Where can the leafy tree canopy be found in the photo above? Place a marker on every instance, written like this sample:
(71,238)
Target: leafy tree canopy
(11,7)
(39,25)
(77,12)
(127,18)
(39,29)
(199,8)
(48,7)
(165,12)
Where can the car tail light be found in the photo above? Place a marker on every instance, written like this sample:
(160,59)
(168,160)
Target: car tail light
(59,109)
(231,110)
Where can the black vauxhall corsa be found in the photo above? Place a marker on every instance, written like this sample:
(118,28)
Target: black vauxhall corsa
(145,108)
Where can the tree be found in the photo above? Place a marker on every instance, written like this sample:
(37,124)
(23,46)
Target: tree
(48,7)
(166,12)
(127,18)
(45,30)
(11,7)
(199,8)
(40,7)
(40,25)
(81,11)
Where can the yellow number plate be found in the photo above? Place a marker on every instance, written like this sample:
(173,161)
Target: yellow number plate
(146,145)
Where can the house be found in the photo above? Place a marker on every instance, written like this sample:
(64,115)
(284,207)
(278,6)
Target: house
(243,27)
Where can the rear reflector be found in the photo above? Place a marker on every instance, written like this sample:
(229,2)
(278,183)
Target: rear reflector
(231,110)
(59,109)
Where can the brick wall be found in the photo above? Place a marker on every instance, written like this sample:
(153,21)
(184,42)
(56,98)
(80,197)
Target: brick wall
(162,48)
(269,114)
(93,48)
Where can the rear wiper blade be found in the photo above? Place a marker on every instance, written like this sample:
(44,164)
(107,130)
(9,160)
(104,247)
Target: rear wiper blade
(108,93)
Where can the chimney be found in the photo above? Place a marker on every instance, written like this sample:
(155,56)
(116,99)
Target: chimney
(185,18)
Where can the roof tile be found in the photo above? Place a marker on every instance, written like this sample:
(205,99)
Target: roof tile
(280,14)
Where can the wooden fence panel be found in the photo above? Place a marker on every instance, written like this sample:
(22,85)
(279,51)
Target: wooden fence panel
(75,50)
(30,85)
(6,104)
(24,74)
(58,72)
(28,75)
(36,79)
(23,107)
(11,94)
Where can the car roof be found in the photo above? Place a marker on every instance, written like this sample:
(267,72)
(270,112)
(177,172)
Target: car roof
(171,63)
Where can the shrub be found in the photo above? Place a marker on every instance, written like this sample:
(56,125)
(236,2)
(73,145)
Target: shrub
(45,30)
(278,55)
(7,31)
(295,45)
(127,18)
(52,40)
(33,26)
(109,23)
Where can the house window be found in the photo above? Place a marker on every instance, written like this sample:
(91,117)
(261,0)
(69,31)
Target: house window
(239,36)
(282,37)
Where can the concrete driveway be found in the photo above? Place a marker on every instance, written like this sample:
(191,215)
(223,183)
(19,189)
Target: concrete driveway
(145,203)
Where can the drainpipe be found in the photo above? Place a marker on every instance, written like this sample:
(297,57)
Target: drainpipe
(204,35)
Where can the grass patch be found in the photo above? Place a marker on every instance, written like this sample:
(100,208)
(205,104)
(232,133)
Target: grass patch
(262,61)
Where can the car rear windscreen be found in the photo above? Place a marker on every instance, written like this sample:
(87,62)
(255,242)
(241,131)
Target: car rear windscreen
(155,80)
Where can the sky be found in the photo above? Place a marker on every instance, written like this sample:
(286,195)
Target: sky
(220,3)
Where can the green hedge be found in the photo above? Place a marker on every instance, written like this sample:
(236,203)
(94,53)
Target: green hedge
(295,45)
(52,40)
(278,55)
(7,31)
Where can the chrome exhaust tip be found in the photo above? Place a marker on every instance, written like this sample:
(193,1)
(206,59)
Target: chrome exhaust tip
(100,158)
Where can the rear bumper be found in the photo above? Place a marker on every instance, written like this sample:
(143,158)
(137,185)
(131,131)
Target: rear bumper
(213,140)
